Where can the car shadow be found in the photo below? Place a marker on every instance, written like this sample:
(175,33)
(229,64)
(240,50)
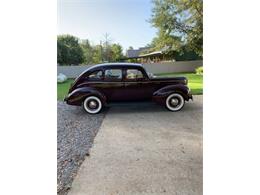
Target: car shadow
(145,107)
(133,107)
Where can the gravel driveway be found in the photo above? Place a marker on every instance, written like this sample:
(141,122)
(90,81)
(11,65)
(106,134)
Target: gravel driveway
(76,131)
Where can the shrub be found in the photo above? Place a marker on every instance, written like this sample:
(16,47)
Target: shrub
(199,70)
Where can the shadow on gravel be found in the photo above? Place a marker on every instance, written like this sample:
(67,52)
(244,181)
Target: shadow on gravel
(76,131)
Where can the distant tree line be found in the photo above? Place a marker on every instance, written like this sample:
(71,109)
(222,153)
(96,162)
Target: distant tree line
(73,51)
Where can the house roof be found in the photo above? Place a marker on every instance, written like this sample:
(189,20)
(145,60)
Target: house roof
(133,53)
(151,54)
(136,53)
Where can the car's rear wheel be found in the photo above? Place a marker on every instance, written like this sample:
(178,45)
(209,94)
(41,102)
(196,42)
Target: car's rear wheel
(175,102)
(92,105)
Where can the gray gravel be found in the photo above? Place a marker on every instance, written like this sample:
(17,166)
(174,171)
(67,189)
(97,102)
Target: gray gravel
(76,132)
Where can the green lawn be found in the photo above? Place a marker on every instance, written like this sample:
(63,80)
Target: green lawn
(62,89)
(195,83)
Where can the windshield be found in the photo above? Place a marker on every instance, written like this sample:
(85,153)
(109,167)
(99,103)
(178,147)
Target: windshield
(150,75)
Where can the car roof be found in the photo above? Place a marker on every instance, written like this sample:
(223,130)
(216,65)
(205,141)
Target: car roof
(111,65)
(116,64)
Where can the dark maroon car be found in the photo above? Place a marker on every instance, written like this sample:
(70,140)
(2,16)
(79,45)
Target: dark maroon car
(115,82)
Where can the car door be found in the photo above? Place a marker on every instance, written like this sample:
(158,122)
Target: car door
(113,86)
(137,86)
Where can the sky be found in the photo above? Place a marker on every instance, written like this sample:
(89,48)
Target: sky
(126,21)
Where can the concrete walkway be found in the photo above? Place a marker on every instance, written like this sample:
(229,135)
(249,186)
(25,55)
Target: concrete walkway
(145,149)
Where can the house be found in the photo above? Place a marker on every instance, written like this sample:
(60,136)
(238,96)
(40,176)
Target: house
(134,53)
(143,55)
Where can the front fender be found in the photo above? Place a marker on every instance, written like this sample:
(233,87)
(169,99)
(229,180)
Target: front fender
(77,96)
(160,95)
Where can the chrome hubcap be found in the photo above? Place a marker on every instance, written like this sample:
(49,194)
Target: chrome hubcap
(92,104)
(174,101)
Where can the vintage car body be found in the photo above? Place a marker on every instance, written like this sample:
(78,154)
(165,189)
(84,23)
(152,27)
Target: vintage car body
(115,82)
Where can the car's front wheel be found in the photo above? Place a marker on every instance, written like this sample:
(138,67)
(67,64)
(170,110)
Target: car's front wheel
(175,102)
(92,105)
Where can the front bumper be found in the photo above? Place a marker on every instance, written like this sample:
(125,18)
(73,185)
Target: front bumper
(190,97)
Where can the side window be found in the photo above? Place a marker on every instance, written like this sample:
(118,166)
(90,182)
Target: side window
(134,74)
(95,76)
(113,74)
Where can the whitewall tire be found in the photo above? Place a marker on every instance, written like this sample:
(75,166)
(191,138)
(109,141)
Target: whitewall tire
(175,102)
(92,105)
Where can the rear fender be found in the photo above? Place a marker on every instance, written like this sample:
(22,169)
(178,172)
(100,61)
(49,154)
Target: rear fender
(160,95)
(77,96)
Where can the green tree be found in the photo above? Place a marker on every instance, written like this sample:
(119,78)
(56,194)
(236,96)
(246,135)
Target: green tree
(179,23)
(97,54)
(69,50)
(117,52)
(88,51)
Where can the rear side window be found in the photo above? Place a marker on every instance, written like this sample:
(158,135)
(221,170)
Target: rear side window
(95,76)
(134,75)
(113,74)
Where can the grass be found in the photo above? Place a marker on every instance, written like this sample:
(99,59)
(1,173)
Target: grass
(63,88)
(195,84)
